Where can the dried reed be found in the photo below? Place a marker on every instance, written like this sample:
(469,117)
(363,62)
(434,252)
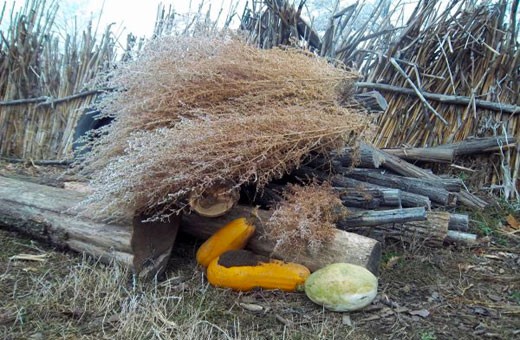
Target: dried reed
(35,62)
(194,111)
(461,48)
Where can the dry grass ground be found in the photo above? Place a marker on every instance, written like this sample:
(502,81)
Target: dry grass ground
(424,294)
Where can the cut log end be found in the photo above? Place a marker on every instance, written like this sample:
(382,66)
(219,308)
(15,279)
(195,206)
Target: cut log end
(215,201)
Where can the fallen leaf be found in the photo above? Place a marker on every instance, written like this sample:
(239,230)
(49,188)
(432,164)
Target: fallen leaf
(421,312)
(29,257)
(513,223)
(251,307)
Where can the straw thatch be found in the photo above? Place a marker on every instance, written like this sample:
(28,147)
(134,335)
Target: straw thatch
(44,79)
(464,54)
(193,112)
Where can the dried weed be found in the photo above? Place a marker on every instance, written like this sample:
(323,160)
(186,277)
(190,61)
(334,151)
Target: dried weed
(192,112)
(305,219)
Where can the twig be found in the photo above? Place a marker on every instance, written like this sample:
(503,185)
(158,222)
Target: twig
(417,91)
(38,162)
(47,101)
(447,99)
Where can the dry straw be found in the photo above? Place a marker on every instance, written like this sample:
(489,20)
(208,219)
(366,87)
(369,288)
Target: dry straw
(192,112)
(305,219)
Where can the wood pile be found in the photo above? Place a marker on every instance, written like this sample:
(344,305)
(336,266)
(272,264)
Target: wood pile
(387,198)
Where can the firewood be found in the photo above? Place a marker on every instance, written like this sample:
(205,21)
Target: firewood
(415,185)
(406,199)
(404,168)
(215,201)
(45,213)
(370,218)
(446,153)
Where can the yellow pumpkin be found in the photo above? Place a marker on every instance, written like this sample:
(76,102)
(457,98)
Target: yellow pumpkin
(232,236)
(243,270)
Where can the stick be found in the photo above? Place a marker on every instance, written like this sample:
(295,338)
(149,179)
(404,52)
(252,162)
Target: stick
(443,98)
(417,91)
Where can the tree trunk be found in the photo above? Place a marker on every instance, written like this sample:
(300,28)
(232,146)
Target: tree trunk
(44,212)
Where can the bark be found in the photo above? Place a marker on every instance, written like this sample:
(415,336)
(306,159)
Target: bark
(370,198)
(45,213)
(418,186)
(371,218)
(344,247)
(447,152)
(406,199)
(404,168)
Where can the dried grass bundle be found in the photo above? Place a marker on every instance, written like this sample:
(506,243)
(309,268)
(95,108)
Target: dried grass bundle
(195,111)
(305,219)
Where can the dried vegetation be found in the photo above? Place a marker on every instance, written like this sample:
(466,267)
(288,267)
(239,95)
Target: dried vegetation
(193,111)
(305,219)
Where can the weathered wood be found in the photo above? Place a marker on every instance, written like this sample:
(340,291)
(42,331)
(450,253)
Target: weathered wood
(41,211)
(404,168)
(433,231)
(461,238)
(418,186)
(437,155)
(215,201)
(459,222)
(345,247)
(406,199)
(447,152)
(152,244)
(372,100)
(363,157)
(370,198)
(45,213)
(371,218)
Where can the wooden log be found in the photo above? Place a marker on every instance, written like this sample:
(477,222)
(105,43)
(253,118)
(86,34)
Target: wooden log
(459,222)
(364,157)
(44,212)
(404,168)
(433,231)
(406,199)
(370,198)
(418,186)
(215,201)
(40,211)
(344,247)
(437,155)
(447,152)
(371,218)
(461,238)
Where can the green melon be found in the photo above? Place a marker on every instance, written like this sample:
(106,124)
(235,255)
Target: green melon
(341,287)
